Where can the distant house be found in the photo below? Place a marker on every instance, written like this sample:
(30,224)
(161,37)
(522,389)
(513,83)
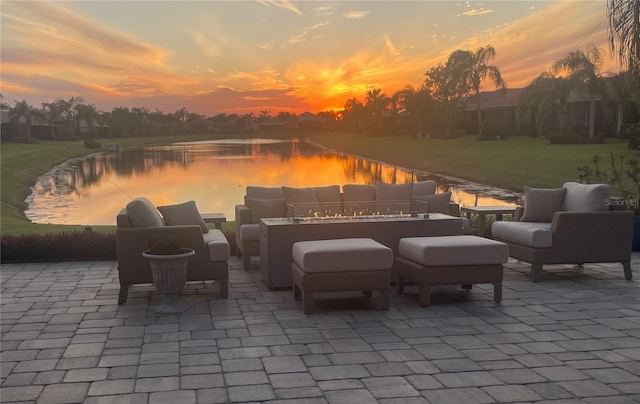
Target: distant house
(500,106)
(308,122)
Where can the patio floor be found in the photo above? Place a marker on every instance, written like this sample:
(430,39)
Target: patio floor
(572,338)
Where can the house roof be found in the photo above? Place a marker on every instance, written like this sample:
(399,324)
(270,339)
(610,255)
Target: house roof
(502,98)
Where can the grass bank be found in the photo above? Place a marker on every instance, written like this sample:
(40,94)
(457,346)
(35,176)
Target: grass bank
(511,163)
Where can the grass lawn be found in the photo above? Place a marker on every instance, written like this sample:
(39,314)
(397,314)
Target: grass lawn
(511,163)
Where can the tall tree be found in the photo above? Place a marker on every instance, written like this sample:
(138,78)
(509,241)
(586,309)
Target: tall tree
(377,103)
(88,114)
(469,69)
(22,115)
(67,110)
(544,100)
(583,73)
(624,32)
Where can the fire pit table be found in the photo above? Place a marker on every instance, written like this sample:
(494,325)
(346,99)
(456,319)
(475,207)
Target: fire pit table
(277,236)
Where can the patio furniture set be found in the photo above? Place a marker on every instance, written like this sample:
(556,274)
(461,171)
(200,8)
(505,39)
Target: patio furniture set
(367,237)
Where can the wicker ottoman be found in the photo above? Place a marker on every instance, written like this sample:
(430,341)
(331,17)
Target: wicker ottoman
(352,264)
(448,260)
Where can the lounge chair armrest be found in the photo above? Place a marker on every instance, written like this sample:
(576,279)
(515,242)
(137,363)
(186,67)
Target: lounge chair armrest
(454,209)
(606,230)
(518,213)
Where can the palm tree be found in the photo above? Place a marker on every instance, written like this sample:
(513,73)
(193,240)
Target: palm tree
(353,111)
(22,115)
(377,103)
(66,109)
(624,32)
(88,113)
(470,69)
(540,99)
(583,72)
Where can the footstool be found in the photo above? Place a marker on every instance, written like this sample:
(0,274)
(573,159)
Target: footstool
(341,265)
(447,260)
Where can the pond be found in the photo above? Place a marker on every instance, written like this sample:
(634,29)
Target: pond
(91,190)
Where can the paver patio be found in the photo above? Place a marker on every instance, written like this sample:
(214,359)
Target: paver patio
(572,338)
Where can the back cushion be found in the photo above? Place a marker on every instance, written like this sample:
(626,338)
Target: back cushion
(328,200)
(540,204)
(265,208)
(359,199)
(438,203)
(183,214)
(256,192)
(423,188)
(142,213)
(586,197)
(388,195)
(303,200)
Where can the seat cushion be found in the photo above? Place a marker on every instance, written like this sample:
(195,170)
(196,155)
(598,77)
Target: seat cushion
(183,214)
(586,197)
(142,213)
(353,254)
(530,234)
(540,204)
(453,250)
(250,232)
(217,245)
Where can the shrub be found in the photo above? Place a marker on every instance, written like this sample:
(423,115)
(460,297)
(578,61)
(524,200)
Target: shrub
(632,132)
(69,246)
(91,143)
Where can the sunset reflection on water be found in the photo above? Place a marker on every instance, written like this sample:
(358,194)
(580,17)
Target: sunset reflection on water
(93,189)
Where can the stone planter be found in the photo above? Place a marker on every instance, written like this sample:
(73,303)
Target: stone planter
(169,274)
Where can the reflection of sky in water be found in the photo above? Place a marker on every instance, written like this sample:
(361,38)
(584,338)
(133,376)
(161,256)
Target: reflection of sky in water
(92,190)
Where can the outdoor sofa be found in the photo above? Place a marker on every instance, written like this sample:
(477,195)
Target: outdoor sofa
(569,225)
(140,220)
(273,202)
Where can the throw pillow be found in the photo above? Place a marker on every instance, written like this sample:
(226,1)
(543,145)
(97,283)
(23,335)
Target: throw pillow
(265,208)
(142,213)
(303,200)
(540,204)
(586,197)
(393,198)
(438,203)
(423,188)
(183,214)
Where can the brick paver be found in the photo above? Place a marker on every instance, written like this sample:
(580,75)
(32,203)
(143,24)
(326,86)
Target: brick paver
(573,337)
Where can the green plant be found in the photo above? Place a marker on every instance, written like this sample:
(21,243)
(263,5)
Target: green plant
(164,245)
(623,174)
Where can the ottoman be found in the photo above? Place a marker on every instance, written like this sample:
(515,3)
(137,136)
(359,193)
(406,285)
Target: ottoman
(352,264)
(447,260)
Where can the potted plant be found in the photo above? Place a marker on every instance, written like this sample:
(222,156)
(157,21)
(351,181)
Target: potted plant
(623,174)
(168,261)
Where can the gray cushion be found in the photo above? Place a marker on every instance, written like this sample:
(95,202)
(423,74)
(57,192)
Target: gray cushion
(423,188)
(586,197)
(438,203)
(217,245)
(250,232)
(142,213)
(540,204)
(530,234)
(263,208)
(393,198)
(183,214)
(256,192)
(339,255)
(328,200)
(303,200)
(453,250)
(359,199)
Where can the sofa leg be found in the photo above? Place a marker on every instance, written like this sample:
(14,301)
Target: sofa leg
(466,286)
(247,262)
(224,288)
(296,292)
(124,293)
(626,265)
(399,285)
(497,292)
(536,272)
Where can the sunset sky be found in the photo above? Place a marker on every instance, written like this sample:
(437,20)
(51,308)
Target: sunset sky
(247,56)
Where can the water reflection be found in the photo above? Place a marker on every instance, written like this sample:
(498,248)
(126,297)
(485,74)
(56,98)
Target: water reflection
(91,190)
